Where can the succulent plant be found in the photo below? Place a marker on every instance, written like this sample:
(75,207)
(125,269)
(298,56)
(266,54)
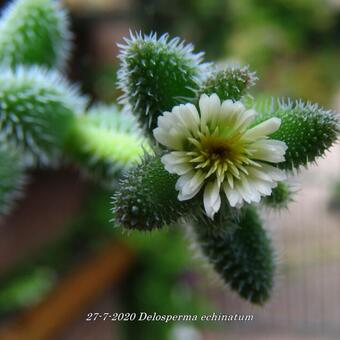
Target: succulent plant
(37,109)
(35,32)
(147,198)
(281,196)
(232,82)
(243,257)
(307,129)
(104,142)
(156,74)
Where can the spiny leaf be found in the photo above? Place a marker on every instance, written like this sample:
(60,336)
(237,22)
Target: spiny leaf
(307,129)
(243,256)
(155,75)
(280,196)
(104,142)
(232,82)
(37,110)
(34,32)
(147,198)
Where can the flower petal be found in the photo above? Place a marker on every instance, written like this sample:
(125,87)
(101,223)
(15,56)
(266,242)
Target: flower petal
(212,199)
(175,168)
(169,140)
(263,129)
(234,116)
(182,180)
(189,185)
(232,195)
(165,121)
(263,187)
(210,108)
(247,191)
(275,173)
(244,118)
(227,108)
(269,150)
(189,117)
(176,157)
(184,119)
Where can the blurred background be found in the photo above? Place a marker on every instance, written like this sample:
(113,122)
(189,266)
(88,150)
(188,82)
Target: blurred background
(61,257)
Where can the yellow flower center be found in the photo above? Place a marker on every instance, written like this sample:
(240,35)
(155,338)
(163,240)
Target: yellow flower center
(216,149)
(220,155)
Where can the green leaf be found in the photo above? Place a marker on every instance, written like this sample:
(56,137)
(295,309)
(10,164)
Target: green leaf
(307,129)
(232,82)
(37,110)
(34,32)
(242,255)
(104,142)
(147,198)
(280,196)
(155,75)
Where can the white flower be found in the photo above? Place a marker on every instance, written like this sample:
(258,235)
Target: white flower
(218,149)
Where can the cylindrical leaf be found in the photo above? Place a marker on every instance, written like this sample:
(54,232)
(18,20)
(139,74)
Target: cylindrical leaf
(37,110)
(242,257)
(147,198)
(155,75)
(34,32)
(307,129)
(103,142)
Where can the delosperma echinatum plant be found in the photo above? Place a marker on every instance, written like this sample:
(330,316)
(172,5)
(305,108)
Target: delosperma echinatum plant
(223,155)
(189,147)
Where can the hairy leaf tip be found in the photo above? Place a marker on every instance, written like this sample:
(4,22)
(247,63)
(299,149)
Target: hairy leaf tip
(35,32)
(307,129)
(155,74)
